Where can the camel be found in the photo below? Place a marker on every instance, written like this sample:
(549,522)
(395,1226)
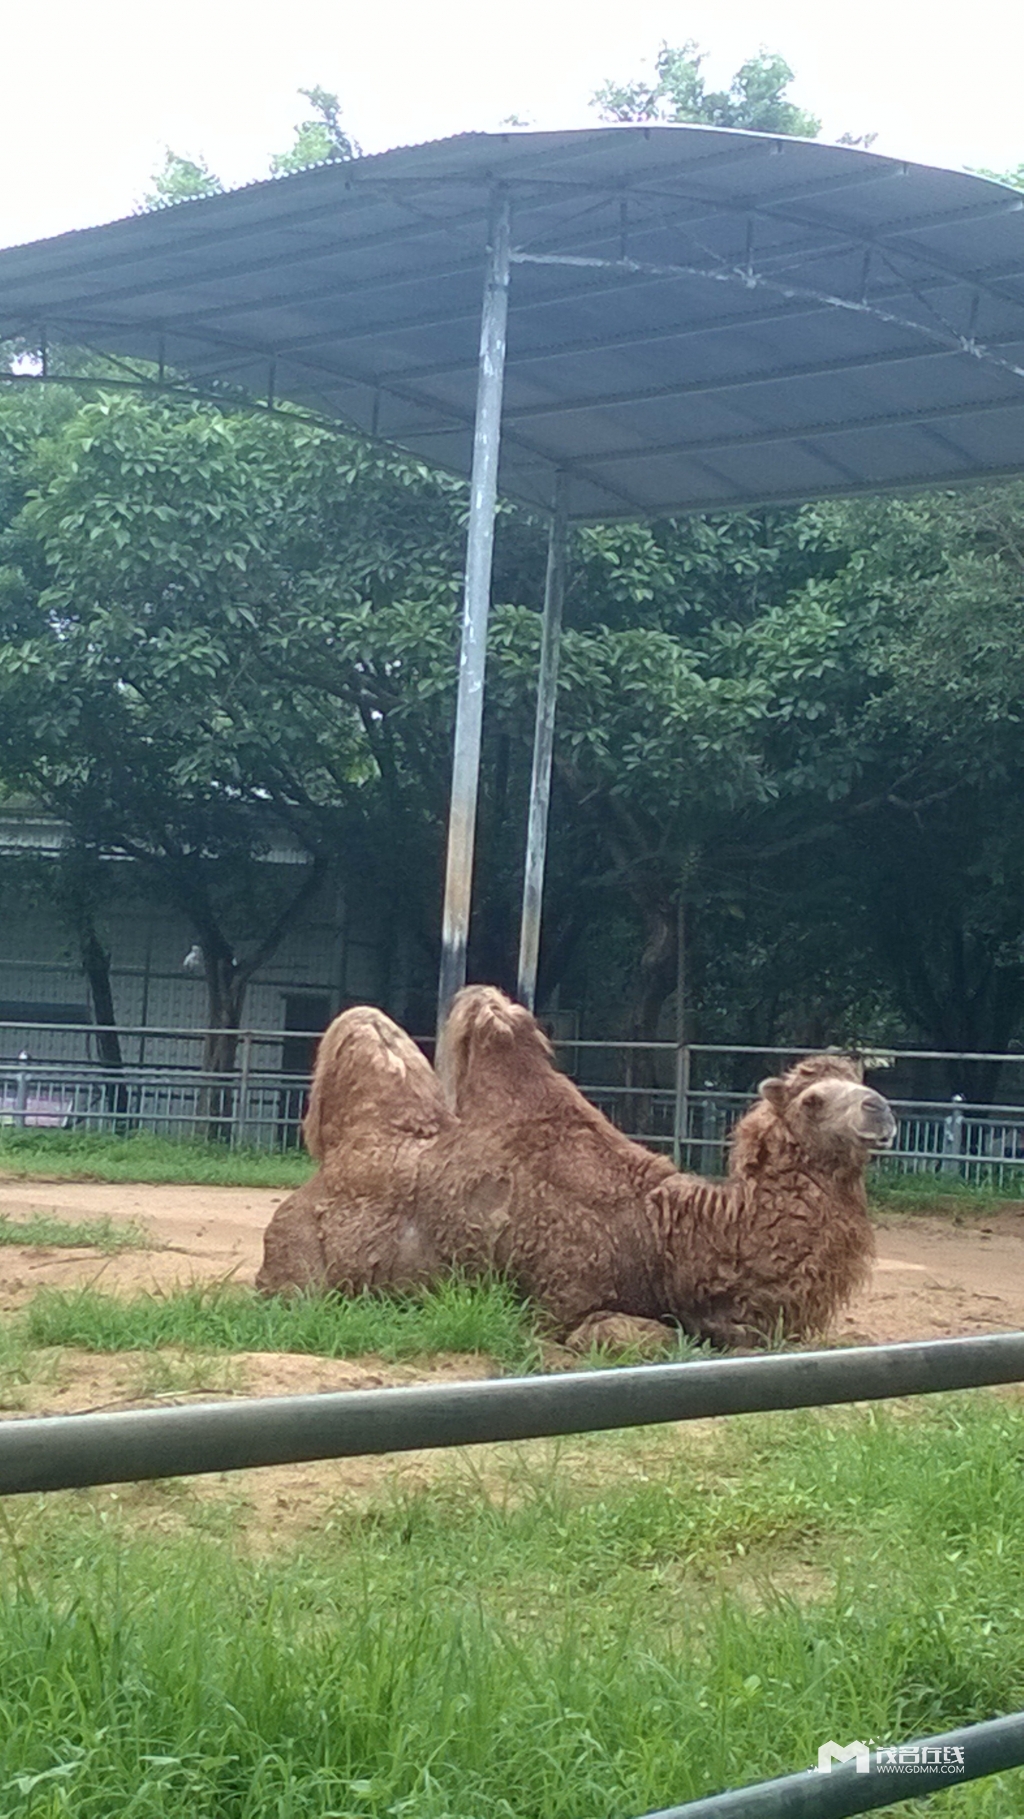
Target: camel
(498,1162)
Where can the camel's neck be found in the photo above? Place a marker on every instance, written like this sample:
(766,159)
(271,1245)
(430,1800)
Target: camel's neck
(770,1159)
(758,1194)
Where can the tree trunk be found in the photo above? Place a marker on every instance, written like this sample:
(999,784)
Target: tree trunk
(226,984)
(96,967)
(656,982)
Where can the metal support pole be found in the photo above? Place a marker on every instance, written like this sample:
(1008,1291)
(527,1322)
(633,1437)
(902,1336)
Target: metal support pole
(682,1082)
(476,605)
(543,745)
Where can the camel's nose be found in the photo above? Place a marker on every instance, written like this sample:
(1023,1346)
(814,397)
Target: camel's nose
(879,1125)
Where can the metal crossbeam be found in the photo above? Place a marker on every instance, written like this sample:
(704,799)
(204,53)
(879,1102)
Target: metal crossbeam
(63,1451)
(984,1749)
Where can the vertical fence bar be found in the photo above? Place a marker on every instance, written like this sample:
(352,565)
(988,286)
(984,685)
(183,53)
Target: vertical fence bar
(238,1124)
(543,745)
(476,606)
(21,1088)
(953,1137)
(680,1131)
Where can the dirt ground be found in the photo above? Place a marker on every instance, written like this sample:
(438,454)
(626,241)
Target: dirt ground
(932,1278)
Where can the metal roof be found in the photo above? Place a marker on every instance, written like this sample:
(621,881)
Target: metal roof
(699,318)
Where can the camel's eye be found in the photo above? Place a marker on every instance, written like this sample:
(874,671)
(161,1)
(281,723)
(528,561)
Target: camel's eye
(814,1102)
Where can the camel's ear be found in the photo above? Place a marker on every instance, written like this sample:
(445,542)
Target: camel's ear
(776,1094)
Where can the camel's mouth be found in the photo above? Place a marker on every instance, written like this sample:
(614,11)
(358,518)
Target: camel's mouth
(883,1138)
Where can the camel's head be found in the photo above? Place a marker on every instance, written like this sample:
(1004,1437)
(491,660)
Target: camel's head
(835,1118)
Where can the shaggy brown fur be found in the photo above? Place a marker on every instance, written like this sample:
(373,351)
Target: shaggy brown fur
(373,1106)
(519,1172)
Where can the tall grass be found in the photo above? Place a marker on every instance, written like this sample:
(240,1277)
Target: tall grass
(605,1628)
(455,1316)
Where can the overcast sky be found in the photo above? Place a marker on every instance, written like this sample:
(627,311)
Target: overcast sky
(87,107)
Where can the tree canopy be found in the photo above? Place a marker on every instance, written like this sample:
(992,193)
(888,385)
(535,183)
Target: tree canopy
(225,631)
(755,99)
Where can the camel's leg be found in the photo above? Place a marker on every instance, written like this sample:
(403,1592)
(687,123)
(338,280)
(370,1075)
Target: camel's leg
(617,1332)
(293,1257)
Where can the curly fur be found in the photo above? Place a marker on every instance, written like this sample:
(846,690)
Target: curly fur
(373,1105)
(498,1161)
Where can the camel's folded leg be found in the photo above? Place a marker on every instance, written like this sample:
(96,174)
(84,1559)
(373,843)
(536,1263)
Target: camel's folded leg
(617,1332)
(293,1254)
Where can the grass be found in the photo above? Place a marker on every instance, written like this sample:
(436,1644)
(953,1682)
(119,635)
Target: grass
(606,1626)
(456,1316)
(74,1234)
(144,1157)
(946,1194)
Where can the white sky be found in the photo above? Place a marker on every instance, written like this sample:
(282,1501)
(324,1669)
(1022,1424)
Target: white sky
(87,107)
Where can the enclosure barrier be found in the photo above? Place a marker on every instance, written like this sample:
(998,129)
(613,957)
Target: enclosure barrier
(69,1451)
(61,1452)
(986,1749)
(663,1094)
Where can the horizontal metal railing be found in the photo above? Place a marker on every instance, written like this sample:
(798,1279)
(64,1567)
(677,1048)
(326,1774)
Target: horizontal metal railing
(902,1772)
(59,1452)
(647,1089)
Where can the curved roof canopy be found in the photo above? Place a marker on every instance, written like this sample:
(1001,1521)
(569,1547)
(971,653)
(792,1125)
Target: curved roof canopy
(698,318)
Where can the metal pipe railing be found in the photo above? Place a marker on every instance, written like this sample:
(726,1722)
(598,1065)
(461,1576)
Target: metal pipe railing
(60,1452)
(985,1749)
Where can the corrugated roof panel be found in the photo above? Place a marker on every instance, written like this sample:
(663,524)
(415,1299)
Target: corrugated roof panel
(760,319)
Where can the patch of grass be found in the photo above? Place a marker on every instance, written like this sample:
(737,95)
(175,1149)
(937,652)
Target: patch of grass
(73,1234)
(456,1316)
(947,1195)
(604,1628)
(141,1156)
(188,1373)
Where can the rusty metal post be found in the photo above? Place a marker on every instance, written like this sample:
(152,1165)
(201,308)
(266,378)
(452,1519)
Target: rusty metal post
(543,745)
(476,606)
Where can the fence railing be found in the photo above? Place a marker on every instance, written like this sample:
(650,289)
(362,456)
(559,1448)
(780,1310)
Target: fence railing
(68,1451)
(649,1090)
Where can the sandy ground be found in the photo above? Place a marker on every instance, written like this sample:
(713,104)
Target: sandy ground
(932,1278)
(932,1275)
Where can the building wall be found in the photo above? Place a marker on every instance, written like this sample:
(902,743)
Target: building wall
(332,953)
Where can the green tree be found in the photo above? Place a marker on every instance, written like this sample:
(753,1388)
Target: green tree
(755,99)
(318,139)
(131,588)
(220,632)
(181,180)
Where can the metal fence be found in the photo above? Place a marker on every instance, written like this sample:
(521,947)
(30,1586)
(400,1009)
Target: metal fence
(66,1451)
(657,1092)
